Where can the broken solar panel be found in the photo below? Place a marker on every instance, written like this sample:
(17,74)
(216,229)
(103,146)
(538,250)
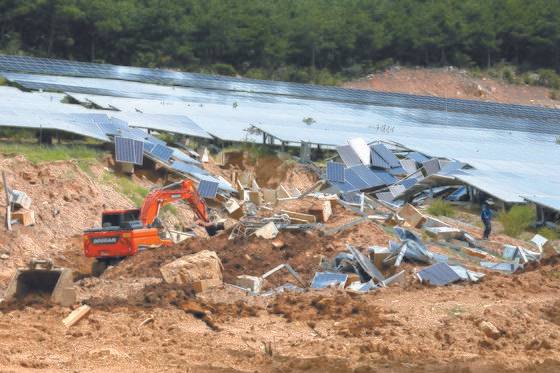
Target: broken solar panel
(129,150)
(208,189)
(335,172)
(385,158)
(361,148)
(438,275)
(352,177)
(420,158)
(431,167)
(367,176)
(161,152)
(387,178)
(348,155)
(409,165)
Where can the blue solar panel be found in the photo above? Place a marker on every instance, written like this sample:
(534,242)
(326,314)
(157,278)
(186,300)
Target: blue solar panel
(352,177)
(367,175)
(431,167)
(387,178)
(161,152)
(208,189)
(386,155)
(186,168)
(420,158)
(129,150)
(439,274)
(348,155)
(335,172)
(407,183)
(343,187)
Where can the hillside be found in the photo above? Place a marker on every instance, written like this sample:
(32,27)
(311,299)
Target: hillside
(454,83)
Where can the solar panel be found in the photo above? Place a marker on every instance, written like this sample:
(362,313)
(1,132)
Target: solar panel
(343,187)
(438,275)
(208,189)
(409,165)
(360,146)
(385,196)
(129,150)
(352,177)
(420,158)
(386,155)
(348,155)
(387,178)
(431,167)
(352,197)
(161,152)
(187,168)
(335,172)
(407,183)
(368,176)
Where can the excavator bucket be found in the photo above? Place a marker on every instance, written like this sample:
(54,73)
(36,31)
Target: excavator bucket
(41,278)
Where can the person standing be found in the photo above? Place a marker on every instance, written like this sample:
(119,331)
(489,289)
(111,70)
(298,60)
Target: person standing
(486,217)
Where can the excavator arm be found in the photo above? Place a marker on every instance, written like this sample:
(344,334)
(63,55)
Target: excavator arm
(180,191)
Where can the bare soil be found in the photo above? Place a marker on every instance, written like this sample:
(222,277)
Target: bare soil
(454,83)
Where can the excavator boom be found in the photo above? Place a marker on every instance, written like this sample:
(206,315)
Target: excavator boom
(180,191)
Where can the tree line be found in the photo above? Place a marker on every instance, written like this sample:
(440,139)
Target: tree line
(286,39)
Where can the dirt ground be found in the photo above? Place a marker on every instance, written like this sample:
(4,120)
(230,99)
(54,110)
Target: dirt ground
(140,323)
(454,83)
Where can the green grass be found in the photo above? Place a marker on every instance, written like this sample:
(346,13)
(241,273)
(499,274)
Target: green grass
(127,187)
(549,233)
(38,154)
(441,208)
(517,220)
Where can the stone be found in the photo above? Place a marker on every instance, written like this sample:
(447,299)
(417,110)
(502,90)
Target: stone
(4,256)
(267,231)
(490,329)
(250,282)
(203,265)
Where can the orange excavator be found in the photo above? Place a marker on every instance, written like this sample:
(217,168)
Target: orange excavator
(124,232)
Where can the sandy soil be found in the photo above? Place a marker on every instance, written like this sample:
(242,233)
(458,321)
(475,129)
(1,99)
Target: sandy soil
(454,83)
(139,323)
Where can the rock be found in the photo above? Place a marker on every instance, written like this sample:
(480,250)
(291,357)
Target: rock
(278,244)
(490,329)
(4,256)
(187,269)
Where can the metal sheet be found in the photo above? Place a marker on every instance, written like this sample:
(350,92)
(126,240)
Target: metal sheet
(386,155)
(361,148)
(335,172)
(323,280)
(431,167)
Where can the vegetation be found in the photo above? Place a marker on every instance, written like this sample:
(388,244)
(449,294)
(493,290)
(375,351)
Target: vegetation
(38,154)
(298,40)
(441,208)
(517,219)
(549,233)
(126,186)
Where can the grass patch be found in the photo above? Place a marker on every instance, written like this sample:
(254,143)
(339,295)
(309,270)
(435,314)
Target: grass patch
(456,311)
(441,208)
(517,220)
(127,187)
(549,233)
(38,154)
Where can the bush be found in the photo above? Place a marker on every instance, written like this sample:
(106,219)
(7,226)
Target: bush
(549,233)
(441,208)
(517,220)
(224,69)
(549,78)
(554,94)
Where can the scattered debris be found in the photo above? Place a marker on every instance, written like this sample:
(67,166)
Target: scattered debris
(323,280)
(76,315)
(267,231)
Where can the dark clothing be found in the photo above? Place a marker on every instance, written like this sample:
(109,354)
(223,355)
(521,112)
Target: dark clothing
(487,229)
(486,216)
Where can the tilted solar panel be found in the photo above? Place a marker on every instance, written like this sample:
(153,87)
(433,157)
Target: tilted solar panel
(208,189)
(129,150)
(335,172)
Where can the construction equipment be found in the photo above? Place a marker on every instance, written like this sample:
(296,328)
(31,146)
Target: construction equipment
(124,232)
(42,278)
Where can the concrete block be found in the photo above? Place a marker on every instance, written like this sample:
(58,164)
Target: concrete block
(252,283)
(267,231)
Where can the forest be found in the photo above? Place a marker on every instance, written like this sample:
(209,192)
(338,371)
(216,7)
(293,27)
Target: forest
(297,40)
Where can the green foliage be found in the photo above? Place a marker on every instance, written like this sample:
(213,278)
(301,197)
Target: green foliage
(441,208)
(38,154)
(315,41)
(549,78)
(517,219)
(549,233)
(554,94)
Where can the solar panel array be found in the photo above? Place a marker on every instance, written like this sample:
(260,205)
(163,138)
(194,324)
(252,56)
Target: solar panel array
(106,71)
(129,150)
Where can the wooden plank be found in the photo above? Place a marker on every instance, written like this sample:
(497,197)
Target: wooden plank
(76,315)
(299,216)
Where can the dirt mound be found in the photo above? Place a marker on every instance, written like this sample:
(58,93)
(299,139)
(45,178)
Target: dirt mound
(454,83)
(254,256)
